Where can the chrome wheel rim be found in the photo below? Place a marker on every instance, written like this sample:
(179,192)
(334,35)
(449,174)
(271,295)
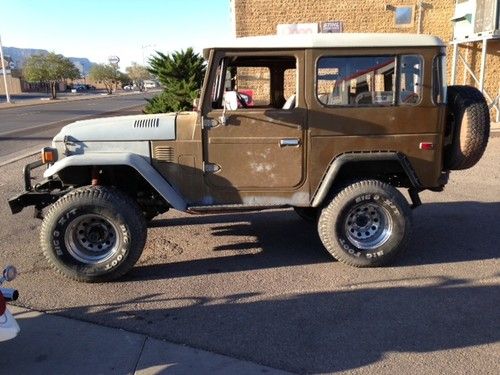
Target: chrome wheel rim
(91,238)
(368,226)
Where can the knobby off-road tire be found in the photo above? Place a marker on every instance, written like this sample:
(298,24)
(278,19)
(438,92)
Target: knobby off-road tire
(93,234)
(469,120)
(366,224)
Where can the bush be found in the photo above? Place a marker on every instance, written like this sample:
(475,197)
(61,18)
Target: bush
(181,73)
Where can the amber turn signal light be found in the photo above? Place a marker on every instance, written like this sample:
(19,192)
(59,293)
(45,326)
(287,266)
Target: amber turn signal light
(48,155)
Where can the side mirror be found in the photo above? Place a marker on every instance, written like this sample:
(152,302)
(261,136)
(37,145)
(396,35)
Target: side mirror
(230,100)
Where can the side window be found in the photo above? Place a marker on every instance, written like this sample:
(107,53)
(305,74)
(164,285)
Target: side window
(410,79)
(439,79)
(290,83)
(254,85)
(256,82)
(356,80)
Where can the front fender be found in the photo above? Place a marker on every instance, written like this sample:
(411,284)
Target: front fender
(139,163)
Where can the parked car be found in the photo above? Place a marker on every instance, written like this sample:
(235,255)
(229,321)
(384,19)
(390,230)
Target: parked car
(149,84)
(340,124)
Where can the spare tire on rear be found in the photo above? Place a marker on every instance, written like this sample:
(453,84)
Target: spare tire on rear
(468,127)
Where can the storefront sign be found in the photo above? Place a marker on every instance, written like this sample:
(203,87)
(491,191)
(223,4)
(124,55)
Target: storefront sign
(332,27)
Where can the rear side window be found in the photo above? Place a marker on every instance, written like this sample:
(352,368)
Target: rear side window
(369,80)
(356,80)
(410,79)
(439,79)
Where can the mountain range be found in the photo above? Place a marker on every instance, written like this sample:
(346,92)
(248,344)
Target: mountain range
(19,55)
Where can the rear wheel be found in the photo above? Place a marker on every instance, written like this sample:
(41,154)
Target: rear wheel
(93,234)
(366,224)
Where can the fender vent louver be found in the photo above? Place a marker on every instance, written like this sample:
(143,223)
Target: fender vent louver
(147,123)
(164,153)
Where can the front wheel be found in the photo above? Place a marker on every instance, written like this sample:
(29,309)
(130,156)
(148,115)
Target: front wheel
(93,234)
(365,225)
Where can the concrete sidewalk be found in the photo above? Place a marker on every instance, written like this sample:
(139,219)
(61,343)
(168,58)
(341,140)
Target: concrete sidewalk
(68,98)
(51,344)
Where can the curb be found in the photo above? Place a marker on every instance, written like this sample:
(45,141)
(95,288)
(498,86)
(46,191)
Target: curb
(46,344)
(19,157)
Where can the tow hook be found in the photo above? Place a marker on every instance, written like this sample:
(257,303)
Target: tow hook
(415,199)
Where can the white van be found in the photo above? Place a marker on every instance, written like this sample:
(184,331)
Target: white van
(149,84)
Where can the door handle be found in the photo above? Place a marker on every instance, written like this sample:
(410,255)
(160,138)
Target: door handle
(289,142)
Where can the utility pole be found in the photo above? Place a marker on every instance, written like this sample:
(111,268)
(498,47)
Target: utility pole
(4,72)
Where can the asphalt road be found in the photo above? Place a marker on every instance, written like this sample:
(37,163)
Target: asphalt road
(260,287)
(28,128)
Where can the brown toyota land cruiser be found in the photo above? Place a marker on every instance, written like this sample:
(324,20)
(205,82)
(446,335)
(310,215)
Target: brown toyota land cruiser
(333,125)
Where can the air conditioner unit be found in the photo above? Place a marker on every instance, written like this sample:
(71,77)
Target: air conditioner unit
(487,18)
(463,19)
(476,19)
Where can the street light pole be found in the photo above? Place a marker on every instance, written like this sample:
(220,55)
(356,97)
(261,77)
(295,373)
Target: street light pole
(4,72)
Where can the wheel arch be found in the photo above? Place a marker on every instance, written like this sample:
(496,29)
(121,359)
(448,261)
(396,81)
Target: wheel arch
(387,166)
(76,166)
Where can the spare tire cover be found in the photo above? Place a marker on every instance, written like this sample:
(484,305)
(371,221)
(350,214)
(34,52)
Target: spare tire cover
(469,123)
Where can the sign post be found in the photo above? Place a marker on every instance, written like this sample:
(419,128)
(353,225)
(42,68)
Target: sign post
(4,72)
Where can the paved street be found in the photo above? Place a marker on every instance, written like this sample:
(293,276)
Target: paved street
(260,287)
(29,128)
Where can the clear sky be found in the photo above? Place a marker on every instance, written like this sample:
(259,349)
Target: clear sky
(128,29)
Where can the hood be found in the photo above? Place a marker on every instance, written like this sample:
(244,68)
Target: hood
(122,128)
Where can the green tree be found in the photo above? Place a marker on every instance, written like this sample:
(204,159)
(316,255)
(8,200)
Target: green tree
(181,74)
(106,74)
(50,68)
(138,73)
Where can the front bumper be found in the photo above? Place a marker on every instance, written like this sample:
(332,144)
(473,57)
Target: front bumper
(41,195)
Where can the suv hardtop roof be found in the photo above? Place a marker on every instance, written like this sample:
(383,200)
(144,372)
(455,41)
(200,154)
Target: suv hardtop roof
(331,40)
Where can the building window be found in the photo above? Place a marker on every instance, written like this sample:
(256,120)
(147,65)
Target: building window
(356,81)
(403,16)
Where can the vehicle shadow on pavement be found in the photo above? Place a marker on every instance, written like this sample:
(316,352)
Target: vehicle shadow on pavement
(442,233)
(325,332)
(282,239)
(453,232)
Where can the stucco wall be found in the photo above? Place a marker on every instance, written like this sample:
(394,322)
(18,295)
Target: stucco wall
(261,17)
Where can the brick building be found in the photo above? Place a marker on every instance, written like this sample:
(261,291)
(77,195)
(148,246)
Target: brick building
(263,17)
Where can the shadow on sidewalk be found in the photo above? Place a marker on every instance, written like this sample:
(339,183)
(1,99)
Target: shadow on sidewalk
(319,332)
